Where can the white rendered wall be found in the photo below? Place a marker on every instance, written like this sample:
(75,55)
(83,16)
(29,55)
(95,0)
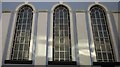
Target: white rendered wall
(0,42)
(112,35)
(117,21)
(5,23)
(83,45)
(40,55)
(115,15)
(1,34)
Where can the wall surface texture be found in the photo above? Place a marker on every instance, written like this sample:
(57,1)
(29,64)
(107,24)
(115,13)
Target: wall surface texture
(81,30)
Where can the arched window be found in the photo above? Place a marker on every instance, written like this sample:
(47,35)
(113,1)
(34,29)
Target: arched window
(61,34)
(22,34)
(101,35)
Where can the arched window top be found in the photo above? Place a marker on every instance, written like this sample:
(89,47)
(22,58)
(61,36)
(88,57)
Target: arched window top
(61,8)
(61,11)
(22,34)
(25,8)
(101,34)
(98,11)
(97,6)
(61,34)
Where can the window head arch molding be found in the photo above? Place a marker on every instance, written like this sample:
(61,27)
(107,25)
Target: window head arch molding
(101,34)
(22,34)
(101,5)
(66,5)
(21,5)
(61,34)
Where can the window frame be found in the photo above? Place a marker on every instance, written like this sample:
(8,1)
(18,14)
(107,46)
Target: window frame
(15,27)
(8,48)
(108,29)
(63,28)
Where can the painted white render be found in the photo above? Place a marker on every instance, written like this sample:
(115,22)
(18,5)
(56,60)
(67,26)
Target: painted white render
(40,51)
(41,45)
(83,45)
(6,20)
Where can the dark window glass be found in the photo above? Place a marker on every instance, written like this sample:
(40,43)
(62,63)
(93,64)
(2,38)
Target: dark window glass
(61,33)
(22,35)
(101,34)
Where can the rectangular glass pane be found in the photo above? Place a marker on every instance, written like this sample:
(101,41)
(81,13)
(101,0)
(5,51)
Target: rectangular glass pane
(56,54)
(61,28)
(26,54)
(98,47)
(104,56)
(110,55)
(67,55)
(105,34)
(98,21)
(16,46)
(99,55)
(26,46)
(67,48)
(61,54)
(99,27)
(62,47)
(103,21)
(22,34)
(56,47)
(15,54)
(21,46)
(103,48)
(20,55)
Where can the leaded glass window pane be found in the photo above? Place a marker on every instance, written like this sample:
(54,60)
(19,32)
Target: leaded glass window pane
(61,34)
(102,41)
(22,35)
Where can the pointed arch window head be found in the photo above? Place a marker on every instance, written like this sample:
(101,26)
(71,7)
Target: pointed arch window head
(22,34)
(101,34)
(61,34)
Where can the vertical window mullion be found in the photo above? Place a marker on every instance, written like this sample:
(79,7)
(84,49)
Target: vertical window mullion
(62,31)
(104,38)
(103,32)
(20,34)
